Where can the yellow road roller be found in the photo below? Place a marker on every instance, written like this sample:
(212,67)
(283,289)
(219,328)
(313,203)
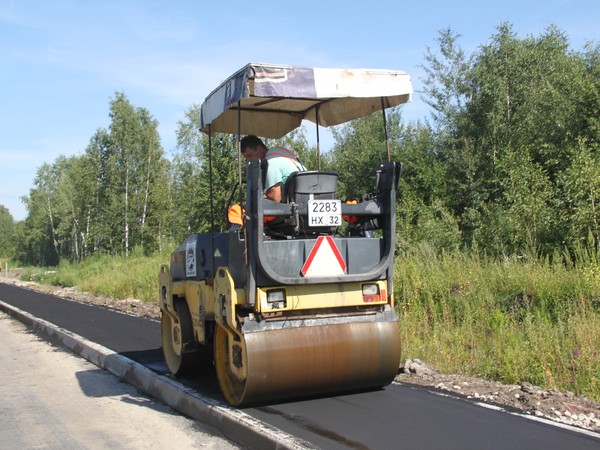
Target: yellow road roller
(301,305)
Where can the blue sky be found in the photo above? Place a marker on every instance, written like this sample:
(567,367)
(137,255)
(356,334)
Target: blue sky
(62,60)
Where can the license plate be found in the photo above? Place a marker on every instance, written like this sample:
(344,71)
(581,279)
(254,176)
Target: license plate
(324,213)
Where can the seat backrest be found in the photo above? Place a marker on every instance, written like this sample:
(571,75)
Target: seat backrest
(304,186)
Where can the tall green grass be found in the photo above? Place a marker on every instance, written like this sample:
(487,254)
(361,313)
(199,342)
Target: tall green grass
(510,319)
(135,276)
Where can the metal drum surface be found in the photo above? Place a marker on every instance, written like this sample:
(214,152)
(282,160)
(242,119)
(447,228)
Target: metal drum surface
(309,360)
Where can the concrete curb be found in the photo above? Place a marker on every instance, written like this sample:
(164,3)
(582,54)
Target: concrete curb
(233,423)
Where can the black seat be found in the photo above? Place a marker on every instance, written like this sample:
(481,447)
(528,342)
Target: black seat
(299,188)
(304,186)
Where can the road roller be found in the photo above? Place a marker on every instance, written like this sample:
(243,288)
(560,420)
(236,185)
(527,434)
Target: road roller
(297,300)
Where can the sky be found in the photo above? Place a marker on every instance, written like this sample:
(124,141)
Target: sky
(62,61)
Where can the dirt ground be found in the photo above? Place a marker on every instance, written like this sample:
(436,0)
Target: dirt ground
(551,404)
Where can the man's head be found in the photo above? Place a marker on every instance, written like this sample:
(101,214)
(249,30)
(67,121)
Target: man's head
(252,148)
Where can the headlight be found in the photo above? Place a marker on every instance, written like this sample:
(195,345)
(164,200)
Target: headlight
(276,295)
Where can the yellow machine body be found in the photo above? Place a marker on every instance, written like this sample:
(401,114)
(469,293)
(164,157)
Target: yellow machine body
(302,347)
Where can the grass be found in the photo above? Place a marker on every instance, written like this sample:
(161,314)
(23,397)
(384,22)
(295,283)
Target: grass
(510,319)
(118,277)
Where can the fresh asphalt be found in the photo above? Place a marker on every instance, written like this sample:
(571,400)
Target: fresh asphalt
(398,416)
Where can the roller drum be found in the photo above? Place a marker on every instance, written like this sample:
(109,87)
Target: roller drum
(308,360)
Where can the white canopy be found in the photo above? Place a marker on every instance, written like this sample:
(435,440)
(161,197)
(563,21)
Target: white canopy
(272,100)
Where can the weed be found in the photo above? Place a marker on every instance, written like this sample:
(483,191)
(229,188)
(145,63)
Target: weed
(509,319)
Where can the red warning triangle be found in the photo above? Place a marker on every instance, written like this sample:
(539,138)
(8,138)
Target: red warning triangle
(324,260)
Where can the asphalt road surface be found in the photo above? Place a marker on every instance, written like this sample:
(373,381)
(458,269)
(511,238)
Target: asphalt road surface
(398,416)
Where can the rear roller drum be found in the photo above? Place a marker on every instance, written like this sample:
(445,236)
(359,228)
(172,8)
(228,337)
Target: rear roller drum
(232,385)
(176,332)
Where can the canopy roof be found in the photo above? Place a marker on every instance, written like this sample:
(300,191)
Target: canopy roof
(272,100)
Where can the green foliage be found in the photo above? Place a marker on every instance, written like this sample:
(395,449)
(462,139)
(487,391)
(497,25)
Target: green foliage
(7,227)
(507,121)
(190,180)
(422,214)
(507,165)
(445,86)
(119,277)
(424,175)
(419,223)
(113,197)
(580,186)
(511,319)
(360,148)
(523,216)
(136,169)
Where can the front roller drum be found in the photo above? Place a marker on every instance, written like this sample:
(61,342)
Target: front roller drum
(308,360)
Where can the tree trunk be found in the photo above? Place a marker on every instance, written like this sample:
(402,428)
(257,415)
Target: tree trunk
(126,209)
(54,242)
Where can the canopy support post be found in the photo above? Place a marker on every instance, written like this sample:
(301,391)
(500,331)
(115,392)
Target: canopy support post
(318,141)
(239,149)
(211,191)
(385,130)
(210,176)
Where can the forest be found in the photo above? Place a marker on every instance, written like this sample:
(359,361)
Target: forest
(497,272)
(508,163)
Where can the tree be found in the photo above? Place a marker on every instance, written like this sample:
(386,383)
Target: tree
(422,212)
(113,197)
(448,89)
(446,84)
(506,121)
(136,171)
(41,242)
(526,114)
(93,197)
(580,184)
(7,225)
(191,177)
(523,218)
(359,149)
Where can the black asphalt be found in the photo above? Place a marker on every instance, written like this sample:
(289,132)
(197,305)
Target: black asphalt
(118,331)
(392,418)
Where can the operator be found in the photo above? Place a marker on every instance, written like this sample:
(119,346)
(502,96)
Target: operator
(282,163)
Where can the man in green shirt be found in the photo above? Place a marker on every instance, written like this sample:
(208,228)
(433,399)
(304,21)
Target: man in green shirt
(282,163)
